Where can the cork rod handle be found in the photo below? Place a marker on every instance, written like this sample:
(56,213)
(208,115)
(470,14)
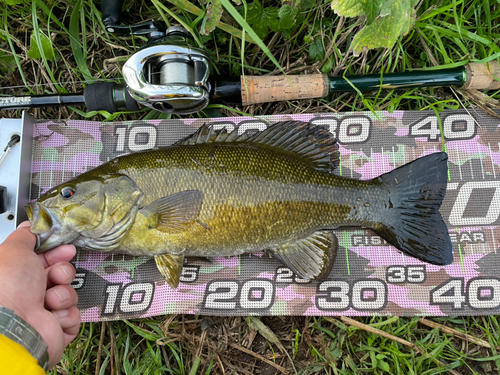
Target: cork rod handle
(263,89)
(482,76)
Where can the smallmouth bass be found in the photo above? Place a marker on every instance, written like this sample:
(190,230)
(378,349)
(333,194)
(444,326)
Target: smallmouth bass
(216,193)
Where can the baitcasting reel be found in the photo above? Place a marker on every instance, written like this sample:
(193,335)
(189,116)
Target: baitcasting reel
(169,74)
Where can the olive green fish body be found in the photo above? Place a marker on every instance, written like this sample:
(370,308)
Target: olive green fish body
(245,207)
(219,194)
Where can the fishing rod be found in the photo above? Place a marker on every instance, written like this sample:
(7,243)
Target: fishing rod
(170,74)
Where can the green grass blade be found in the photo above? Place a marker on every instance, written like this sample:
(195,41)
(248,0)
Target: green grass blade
(246,27)
(193,9)
(78,52)
(36,32)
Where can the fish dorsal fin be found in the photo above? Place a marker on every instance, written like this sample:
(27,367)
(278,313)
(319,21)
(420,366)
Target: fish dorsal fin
(170,266)
(175,213)
(310,143)
(311,257)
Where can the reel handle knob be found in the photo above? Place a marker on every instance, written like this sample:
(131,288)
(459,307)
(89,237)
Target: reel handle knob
(111,10)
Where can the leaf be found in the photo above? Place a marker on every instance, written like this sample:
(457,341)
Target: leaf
(15,2)
(384,31)
(261,18)
(257,18)
(348,8)
(212,19)
(47,48)
(371,9)
(287,17)
(327,67)
(7,63)
(384,366)
(273,20)
(142,332)
(316,50)
(190,8)
(306,5)
(386,21)
(386,7)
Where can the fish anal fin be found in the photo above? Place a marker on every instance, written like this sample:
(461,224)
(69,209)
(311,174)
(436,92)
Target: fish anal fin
(170,266)
(175,213)
(311,257)
(313,144)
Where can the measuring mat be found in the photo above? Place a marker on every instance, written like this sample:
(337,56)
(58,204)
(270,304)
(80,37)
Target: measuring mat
(369,277)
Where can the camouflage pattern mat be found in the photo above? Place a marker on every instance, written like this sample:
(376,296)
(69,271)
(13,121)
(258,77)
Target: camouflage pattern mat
(369,276)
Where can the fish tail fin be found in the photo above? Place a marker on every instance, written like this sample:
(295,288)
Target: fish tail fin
(412,221)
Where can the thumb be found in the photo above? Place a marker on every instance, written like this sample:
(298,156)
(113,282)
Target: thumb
(21,238)
(24,224)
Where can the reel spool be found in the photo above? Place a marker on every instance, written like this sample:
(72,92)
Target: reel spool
(169,75)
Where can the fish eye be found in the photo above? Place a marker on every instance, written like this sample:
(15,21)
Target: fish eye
(67,192)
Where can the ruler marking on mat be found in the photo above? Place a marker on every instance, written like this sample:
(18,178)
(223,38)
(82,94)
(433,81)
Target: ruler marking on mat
(74,166)
(493,238)
(492,164)
(480,160)
(470,162)
(63,168)
(459,163)
(350,163)
(393,158)
(40,180)
(51,170)
(383,159)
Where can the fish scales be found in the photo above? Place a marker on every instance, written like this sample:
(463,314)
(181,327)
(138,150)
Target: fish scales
(246,207)
(219,194)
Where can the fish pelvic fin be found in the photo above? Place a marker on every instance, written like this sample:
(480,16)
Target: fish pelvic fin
(312,144)
(311,257)
(412,221)
(170,266)
(175,213)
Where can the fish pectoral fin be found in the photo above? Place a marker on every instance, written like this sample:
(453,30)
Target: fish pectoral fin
(170,266)
(311,257)
(176,212)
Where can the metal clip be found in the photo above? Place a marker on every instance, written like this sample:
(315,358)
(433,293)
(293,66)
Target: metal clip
(14,139)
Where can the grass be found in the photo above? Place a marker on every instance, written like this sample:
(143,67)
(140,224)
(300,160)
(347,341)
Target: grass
(447,33)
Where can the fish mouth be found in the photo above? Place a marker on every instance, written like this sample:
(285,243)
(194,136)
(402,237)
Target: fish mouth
(41,225)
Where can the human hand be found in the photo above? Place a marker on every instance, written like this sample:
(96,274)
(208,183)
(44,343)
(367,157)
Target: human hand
(37,288)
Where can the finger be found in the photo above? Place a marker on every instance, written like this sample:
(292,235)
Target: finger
(60,297)
(63,253)
(62,273)
(69,319)
(69,337)
(24,224)
(21,239)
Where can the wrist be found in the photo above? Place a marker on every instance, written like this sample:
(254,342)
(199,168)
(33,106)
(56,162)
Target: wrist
(10,303)
(19,331)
